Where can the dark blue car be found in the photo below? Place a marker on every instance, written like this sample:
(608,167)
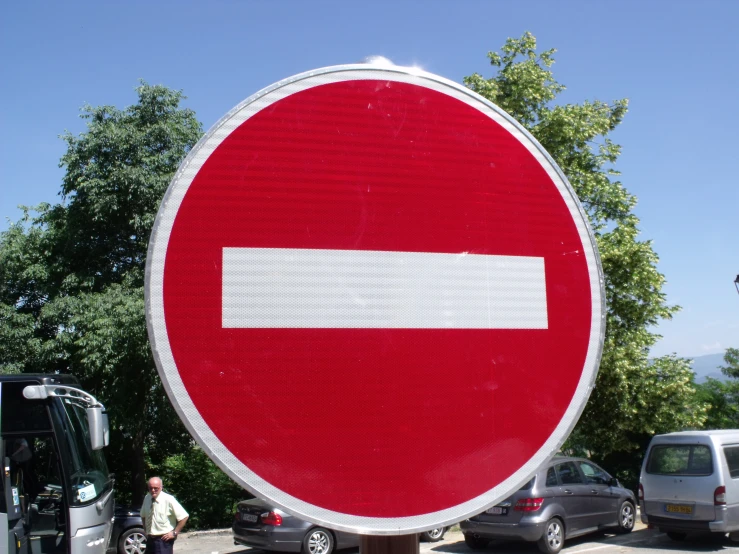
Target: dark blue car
(128,536)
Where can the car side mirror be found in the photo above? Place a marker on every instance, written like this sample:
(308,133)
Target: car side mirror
(613,482)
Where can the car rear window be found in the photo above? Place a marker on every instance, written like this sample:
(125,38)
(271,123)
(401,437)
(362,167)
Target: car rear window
(568,473)
(732,460)
(680,459)
(528,485)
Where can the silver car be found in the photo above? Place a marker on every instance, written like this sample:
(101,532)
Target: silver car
(567,498)
(259,524)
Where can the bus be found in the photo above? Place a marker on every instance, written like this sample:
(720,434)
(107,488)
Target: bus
(56,493)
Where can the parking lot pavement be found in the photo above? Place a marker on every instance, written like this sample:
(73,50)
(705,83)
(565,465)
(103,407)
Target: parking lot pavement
(640,541)
(207,542)
(221,542)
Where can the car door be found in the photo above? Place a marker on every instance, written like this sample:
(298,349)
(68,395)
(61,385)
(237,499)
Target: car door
(575,496)
(603,499)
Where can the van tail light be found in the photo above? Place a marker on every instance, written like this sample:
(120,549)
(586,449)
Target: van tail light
(641,492)
(719,496)
(271,518)
(528,504)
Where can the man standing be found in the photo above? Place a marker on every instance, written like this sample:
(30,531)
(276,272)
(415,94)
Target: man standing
(164,518)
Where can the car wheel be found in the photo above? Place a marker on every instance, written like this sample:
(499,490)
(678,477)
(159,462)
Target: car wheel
(626,517)
(434,535)
(475,543)
(553,538)
(318,541)
(676,536)
(132,541)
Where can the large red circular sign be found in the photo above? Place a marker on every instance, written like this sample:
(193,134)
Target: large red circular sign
(374,299)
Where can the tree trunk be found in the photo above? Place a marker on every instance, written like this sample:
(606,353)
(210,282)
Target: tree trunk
(138,469)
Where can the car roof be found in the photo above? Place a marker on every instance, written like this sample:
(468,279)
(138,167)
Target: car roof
(559,459)
(702,433)
(716,437)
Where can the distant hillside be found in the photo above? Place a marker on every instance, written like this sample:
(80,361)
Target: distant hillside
(708,366)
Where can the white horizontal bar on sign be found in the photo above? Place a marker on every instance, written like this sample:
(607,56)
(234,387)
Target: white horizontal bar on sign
(359,289)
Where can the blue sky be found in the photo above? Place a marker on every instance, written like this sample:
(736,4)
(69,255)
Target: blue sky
(677,62)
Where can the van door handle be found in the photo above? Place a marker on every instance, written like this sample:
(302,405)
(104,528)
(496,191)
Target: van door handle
(594,491)
(568,491)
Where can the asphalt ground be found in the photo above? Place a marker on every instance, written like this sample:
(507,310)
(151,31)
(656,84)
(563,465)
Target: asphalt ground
(219,541)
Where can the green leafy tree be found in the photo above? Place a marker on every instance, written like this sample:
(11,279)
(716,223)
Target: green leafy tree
(207,493)
(24,290)
(722,400)
(634,396)
(72,275)
(723,397)
(731,359)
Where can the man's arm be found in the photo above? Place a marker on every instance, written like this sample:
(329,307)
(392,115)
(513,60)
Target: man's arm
(172,535)
(180,524)
(180,515)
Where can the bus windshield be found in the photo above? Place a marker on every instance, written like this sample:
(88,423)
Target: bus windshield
(88,471)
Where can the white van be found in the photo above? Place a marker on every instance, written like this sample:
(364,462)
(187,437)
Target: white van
(690,483)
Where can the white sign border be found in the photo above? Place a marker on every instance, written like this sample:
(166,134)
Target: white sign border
(177,392)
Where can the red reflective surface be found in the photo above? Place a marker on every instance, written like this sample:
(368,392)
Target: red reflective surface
(376,422)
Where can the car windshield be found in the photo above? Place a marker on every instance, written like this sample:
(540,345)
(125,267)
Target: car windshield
(680,459)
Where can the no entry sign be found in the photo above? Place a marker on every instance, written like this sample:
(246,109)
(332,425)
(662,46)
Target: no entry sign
(374,299)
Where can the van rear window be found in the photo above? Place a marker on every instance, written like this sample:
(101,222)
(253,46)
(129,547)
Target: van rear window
(682,459)
(732,460)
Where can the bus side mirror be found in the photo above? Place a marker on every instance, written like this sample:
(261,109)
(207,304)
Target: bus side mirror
(106,430)
(98,423)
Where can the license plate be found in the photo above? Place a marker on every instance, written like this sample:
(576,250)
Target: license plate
(251,518)
(497,511)
(677,509)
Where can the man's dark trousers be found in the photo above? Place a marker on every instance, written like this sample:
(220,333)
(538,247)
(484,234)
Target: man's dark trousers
(155,545)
